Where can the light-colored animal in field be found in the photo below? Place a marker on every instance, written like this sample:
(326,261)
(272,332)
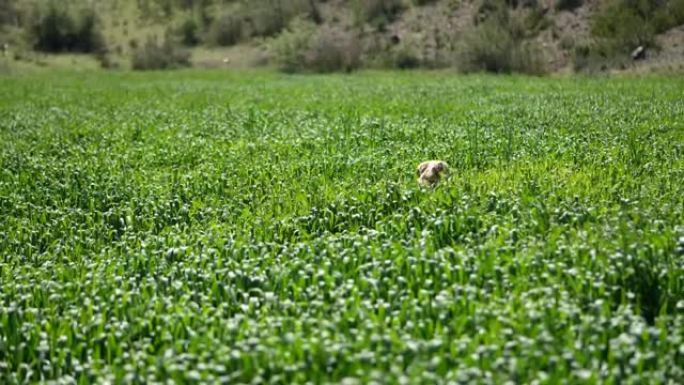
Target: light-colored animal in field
(432,171)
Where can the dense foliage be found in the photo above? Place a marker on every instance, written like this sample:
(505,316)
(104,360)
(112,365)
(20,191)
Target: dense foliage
(620,26)
(261,228)
(156,54)
(57,28)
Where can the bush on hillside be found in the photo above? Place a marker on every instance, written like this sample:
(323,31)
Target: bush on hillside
(502,41)
(266,20)
(303,47)
(188,32)
(106,59)
(332,51)
(258,18)
(290,47)
(623,25)
(620,26)
(8,12)
(57,28)
(668,15)
(592,57)
(405,58)
(492,48)
(376,12)
(155,55)
(226,30)
(568,5)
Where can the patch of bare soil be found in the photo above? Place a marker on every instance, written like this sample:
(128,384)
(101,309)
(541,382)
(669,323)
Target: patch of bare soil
(240,56)
(433,31)
(569,28)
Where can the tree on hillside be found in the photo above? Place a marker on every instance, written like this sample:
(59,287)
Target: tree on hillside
(8,13)
(63,29)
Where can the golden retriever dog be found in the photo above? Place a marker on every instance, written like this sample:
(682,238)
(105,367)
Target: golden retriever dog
(432,171)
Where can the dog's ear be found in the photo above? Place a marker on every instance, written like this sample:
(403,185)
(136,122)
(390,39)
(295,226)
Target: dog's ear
(421,168)
(445,166)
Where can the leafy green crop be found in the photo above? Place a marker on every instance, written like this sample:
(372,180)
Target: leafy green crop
(211,227)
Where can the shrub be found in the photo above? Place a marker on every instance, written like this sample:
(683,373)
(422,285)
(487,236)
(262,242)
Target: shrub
(500,44)
(304,48)
(487,48)
(378,12)
(669,15)
(488,9)
(619,26)
(332,50)
(291,46)
(270,17)
(568,5)
(60,29)
(405,59)
(8,12)
(106,60)
(258,18)
(154,55)
(622,26)
(188,32)
(596,56)
(266,20)
(225,31)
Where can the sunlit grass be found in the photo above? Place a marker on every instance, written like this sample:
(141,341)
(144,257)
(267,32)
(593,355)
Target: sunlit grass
(211,227)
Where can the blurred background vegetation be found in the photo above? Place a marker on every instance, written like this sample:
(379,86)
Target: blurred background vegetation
(502,36)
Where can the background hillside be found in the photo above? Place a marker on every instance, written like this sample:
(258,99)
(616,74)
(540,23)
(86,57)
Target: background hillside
(529,36)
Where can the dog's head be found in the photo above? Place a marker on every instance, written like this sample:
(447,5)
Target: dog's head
(430,172)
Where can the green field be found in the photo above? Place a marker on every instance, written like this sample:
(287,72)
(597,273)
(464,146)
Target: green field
(249,227)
